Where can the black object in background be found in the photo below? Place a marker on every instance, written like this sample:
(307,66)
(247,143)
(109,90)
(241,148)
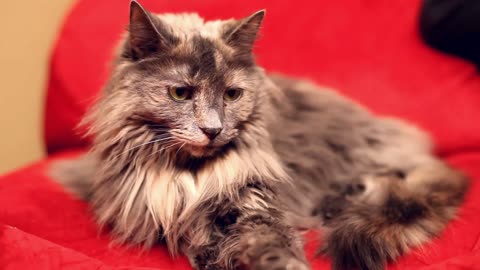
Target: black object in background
(452,26)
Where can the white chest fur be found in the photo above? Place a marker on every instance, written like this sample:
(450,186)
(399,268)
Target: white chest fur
(173,194)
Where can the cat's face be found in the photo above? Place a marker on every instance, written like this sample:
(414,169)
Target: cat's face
(195,83)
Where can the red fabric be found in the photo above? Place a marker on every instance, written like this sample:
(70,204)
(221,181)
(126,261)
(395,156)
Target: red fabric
(47,229)
(369,49)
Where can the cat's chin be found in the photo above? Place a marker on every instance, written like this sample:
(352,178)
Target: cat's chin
(200,151)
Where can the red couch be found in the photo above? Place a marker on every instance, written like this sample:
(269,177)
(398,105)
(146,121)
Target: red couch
(368,49)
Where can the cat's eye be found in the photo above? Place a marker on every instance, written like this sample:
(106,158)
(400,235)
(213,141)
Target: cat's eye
(180,93)
(232,94)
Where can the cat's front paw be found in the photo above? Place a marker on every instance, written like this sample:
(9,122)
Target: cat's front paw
(278,259)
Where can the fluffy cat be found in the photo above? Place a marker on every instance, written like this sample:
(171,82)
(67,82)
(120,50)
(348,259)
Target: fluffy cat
(194,145)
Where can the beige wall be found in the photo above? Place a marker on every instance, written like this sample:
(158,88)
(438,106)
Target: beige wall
(28,30)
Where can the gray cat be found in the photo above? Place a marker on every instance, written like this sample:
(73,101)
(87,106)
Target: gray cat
(196,146)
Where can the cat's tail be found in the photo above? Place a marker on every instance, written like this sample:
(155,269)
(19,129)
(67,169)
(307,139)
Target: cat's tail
(411,210)
(75,175)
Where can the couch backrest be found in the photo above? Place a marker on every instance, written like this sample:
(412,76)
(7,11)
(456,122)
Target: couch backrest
(369,50)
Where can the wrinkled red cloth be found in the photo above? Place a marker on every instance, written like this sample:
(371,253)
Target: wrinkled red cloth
(369,49)
(45,228)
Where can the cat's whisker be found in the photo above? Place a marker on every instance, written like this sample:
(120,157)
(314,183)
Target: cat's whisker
(140,145)
(156,124)
(176,153)
(164,148)
(170,146)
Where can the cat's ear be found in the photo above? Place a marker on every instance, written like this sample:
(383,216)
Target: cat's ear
(146,33)
(244,33)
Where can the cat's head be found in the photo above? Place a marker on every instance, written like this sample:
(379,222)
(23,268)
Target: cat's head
(193,82)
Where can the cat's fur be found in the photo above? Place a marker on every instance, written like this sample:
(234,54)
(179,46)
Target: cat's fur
(290,155)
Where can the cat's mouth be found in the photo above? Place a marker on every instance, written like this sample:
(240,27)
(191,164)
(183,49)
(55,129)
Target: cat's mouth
(200,148)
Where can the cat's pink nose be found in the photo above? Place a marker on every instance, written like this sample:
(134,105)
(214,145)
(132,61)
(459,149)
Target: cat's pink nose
(211,132)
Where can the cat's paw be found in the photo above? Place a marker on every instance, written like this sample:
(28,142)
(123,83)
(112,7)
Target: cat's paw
(340,197)
(278,259)
(330,207)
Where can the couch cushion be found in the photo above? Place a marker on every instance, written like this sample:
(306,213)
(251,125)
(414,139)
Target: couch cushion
(45,228)
(370,50)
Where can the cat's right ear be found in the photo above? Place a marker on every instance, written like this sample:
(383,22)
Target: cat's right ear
(147,34)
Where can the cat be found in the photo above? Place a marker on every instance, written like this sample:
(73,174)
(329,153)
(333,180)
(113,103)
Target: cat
(196,146)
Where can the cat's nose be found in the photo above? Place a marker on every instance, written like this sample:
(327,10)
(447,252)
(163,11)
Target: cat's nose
(211,132)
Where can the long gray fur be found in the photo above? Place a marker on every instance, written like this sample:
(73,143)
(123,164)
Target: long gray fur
(290,156)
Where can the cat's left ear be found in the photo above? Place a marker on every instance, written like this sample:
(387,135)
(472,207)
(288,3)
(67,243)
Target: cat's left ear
(245,32)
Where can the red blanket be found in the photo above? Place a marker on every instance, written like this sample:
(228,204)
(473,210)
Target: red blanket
(368,49)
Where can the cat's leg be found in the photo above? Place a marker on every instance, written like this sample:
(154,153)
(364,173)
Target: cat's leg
(251,234)
(395,211)
(384,225)
(256,242)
